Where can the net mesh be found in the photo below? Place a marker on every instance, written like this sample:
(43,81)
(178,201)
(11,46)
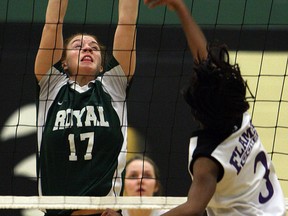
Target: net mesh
(258,40)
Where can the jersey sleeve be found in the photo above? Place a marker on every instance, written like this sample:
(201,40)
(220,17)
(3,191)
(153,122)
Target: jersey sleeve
(51,83)
(114,80)
(202,144)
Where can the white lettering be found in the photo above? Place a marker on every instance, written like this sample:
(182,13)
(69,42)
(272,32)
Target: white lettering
(60,120)
(90,116)
(87,116)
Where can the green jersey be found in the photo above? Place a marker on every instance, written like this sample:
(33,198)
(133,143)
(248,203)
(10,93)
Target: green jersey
(82,133)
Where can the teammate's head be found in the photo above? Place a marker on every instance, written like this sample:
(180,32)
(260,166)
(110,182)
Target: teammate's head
(142,177)
(217,91)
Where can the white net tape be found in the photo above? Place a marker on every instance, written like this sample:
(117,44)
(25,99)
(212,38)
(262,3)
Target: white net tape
(66,202)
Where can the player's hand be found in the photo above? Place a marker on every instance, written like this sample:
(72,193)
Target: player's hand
(152,3)
(169,3)
(110,212)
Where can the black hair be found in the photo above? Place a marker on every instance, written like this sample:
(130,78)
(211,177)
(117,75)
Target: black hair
(217,91)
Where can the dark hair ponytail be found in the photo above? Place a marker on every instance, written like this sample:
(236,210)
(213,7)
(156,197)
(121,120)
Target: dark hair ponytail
(217,91)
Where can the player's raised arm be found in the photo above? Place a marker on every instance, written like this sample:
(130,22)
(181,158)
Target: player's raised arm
(205,174)
(51,44)
(195,37)
(124,47)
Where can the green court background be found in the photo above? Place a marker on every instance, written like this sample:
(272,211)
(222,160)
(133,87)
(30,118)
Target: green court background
(272,110)
(269,110)
(225,12)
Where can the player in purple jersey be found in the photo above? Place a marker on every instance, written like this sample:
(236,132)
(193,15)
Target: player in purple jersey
(232,173)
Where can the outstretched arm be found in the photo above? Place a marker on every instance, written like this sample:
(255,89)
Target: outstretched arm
(194,35)
(51,44)
(124,47)
(205,172)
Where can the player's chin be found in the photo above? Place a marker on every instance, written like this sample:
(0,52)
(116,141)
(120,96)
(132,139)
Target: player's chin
(142,193)
(87,69)
(87,65)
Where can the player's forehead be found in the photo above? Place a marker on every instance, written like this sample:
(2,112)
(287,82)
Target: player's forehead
(139,165)
(82,39)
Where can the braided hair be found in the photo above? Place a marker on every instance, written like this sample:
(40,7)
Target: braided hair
(216,93)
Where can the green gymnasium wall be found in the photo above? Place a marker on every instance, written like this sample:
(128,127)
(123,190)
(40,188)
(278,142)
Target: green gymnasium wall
(257,13)
(252,26)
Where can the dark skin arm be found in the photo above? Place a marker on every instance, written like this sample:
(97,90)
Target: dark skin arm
(205,170)
(205,174)
(194,35)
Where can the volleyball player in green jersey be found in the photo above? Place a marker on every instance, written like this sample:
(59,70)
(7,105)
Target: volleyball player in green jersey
(82,119)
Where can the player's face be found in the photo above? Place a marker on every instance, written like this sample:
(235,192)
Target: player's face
(140,179)
(83,56)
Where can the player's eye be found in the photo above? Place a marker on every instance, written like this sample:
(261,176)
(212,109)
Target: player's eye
(133,176)
(95,48)
(148,176)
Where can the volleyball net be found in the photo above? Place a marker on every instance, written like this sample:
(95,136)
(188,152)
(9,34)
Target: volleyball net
(158,122)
